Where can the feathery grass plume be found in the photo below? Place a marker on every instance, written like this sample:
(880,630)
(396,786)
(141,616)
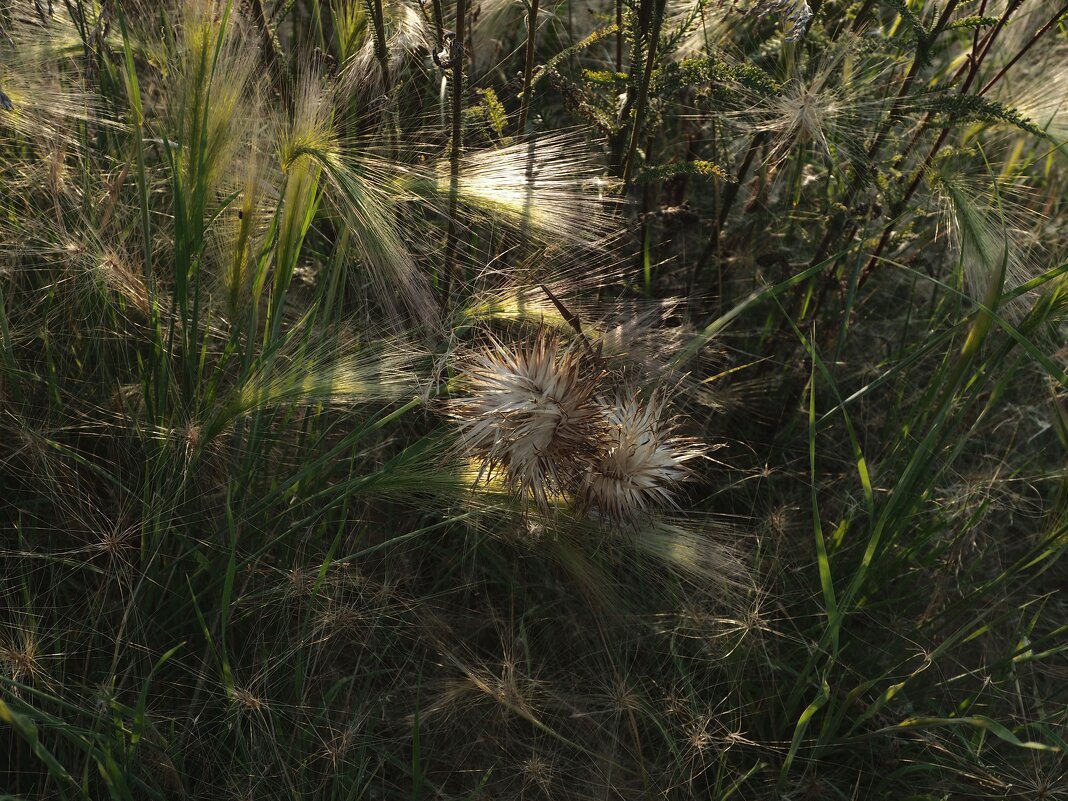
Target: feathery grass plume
(333,373)
(41,109)
(831,108)
(696,26)
(209,113)
(109,270)
(988,234)
(796,14)
(406,35)
(21,655)
(369,193)
(363,188)
(531,413)
(44,94)
(640,464)
(44,39)
(496,27)
(547,187)
(698,551)
(1039,91)
(513,304)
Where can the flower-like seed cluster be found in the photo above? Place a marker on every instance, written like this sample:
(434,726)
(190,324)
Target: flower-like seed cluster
(536,415)
(640,463)
(531,413)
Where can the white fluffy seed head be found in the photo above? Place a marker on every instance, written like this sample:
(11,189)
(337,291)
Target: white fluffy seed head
(530,413)
(641,463)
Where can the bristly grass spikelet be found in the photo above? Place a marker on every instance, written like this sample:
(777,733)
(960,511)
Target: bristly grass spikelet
(641,462)
(530,412)
(987,231)
(547,188)
(208,111)
(330,373)
(829,106)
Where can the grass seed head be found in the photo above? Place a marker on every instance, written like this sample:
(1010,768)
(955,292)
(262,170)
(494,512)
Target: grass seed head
(641,463)
(549,189)
(406,34)
(531,413)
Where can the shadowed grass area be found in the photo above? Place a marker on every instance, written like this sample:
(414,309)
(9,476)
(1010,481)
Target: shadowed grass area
(570,401)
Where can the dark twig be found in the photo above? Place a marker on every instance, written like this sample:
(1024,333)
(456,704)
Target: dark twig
(456,63)
(528,68)
(652,16)
(1031,42)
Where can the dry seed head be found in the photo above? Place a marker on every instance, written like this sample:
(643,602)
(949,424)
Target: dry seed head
(115,273)
(209,106)
(247,700)
(829,107)
(405,32)
(989,233)
(530,412)
(538,771)
(641,464)
(549,189)
(20,660)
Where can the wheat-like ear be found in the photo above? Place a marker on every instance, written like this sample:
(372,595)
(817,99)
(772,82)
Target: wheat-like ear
(238,237)
(209,113)
(367,191)
(988,234)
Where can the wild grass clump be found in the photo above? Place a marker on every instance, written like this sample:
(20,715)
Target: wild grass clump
(545,400)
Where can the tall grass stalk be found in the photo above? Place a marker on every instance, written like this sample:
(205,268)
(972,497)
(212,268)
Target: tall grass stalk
(457,58)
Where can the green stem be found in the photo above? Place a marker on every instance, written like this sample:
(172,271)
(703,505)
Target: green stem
(457,143)
(651,35)
(528,68)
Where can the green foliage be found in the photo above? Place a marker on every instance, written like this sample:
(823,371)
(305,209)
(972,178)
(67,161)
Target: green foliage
(912,22)
(957,109)
(488,112)
(971,23)
(714,74)
(703,168)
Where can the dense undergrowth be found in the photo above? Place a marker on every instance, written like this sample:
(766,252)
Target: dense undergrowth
(659,399)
